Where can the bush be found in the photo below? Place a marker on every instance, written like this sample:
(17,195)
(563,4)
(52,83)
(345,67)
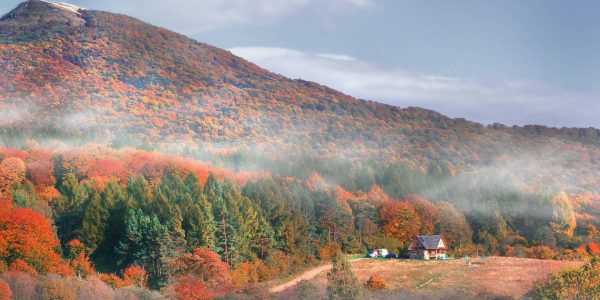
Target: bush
(540,252)
(135,275)
(189,288)
(375,283)
(5,291)
(19,265)
(580,283)
(341,280)
(55,288)
(113,280)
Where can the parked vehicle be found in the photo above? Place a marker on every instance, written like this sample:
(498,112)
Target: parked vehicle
(377,253)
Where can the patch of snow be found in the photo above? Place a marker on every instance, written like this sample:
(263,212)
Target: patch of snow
(65,6)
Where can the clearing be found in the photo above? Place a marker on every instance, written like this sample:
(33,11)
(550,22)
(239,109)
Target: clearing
(508,277)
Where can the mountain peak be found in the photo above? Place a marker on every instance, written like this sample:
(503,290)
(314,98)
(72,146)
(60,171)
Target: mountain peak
(39,18)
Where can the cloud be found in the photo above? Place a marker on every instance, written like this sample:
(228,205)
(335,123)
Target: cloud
(192,16)
(518,102)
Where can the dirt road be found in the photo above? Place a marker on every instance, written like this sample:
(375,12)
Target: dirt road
(305,276)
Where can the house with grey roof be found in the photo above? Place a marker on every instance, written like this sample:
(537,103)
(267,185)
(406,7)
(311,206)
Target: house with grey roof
(428,247)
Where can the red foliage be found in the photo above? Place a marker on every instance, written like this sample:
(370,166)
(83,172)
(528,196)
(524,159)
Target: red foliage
(594,249)
(206,266)
(108,169)
(189,288)
(5,291)
(135,275)
(12,152)
(41,173)
(27,235)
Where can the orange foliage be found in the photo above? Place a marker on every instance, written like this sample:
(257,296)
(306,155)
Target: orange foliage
(594,249)
(19,265)
(375,283)
(540,252)
(342,194)
(377,195)
(428,212)
(189,288)
(82,265)
(12,170)
(400,220)
(135,275)
(113,280)
(5,291)
(329,251)
(27,235)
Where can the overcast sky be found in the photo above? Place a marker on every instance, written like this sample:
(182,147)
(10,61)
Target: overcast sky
(510,61)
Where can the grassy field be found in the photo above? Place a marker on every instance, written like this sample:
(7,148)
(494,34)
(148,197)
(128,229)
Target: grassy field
(494,277)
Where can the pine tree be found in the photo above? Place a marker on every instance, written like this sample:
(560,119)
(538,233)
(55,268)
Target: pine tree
(152,245)
(341,280)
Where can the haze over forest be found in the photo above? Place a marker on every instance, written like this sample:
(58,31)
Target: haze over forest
(144,163)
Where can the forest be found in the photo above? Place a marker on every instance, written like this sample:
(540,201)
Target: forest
(137,163)
(139,219)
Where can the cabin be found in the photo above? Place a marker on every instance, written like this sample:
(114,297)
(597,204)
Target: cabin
(428,247)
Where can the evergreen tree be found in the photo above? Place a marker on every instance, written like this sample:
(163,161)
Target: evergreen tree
(152,245)
(341,280)
(94,222)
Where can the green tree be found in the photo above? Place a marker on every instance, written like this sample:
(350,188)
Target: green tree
(152,245)
(341,280)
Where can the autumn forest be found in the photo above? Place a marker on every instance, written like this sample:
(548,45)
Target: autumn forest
(136,163)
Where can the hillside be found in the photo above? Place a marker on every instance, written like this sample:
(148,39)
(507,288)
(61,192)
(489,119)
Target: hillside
(81,75)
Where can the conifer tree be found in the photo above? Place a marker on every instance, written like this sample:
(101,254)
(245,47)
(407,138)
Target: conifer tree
(341,280)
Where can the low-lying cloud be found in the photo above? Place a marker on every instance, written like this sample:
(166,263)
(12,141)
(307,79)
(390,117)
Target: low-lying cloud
(511,102)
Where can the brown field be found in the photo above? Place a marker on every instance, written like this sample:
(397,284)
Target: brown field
(494,277)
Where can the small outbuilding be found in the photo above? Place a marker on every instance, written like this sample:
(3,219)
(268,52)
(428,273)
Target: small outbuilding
(428,247)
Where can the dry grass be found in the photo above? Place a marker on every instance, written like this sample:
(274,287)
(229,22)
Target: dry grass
(495,276)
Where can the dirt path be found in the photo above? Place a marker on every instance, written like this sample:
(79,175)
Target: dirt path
(305,276)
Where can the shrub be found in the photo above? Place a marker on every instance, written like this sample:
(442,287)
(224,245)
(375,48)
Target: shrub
(341,280)
(113,280)
(540,252)
(579,283)
(55,288)
(135,275)
(206,266)
(594,249)
(189,288)
(20,265)
(5,291)
(375,283)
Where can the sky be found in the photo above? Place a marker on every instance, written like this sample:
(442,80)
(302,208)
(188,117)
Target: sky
(512,61)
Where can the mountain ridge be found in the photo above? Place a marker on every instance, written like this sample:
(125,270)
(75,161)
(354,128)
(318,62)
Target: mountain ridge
(114,76)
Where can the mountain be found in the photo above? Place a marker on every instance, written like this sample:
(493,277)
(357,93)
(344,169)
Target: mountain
(75,74)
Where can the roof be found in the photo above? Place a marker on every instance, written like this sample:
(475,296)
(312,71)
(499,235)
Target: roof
(430,242)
